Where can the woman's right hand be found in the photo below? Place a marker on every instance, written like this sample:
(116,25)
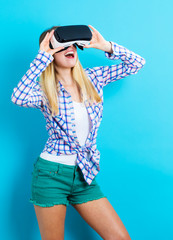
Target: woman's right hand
(44,45)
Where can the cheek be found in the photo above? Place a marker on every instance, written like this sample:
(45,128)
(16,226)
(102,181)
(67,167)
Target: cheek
(59,58)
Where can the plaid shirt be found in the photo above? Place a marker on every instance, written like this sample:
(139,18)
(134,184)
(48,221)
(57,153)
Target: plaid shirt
(61,128)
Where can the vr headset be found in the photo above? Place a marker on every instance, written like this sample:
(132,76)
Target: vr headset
(66,36)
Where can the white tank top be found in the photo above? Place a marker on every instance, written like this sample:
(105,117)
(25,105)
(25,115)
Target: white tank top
(83,126)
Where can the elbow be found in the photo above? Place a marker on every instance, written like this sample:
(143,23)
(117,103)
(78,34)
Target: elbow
(16,100)
(140,64)
(13,98)
(143,62)
(136,68)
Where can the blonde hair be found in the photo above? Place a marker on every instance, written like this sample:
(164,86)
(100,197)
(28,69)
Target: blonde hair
(48,82)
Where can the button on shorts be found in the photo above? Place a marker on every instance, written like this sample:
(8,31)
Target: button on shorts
(56,183)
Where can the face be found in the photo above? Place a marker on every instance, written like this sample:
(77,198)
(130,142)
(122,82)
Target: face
(68,61)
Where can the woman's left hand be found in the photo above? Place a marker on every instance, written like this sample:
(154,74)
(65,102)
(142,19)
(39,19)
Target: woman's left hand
(98,41)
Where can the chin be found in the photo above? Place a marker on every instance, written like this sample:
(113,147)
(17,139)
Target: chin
(72,64)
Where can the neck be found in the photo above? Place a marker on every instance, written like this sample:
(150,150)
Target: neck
(65,76)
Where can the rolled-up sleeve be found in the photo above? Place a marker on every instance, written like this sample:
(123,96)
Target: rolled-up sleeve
(131,64)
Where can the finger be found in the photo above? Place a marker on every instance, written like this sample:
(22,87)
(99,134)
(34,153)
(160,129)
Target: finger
(94,35)
(50,34)
(92,28)
(59,48)
(46,37)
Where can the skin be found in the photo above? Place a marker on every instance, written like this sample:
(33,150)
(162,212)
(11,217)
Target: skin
(99,214)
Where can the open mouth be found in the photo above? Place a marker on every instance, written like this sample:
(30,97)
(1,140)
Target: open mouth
(69,55)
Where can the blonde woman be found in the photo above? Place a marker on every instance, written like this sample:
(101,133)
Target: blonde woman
(71,100)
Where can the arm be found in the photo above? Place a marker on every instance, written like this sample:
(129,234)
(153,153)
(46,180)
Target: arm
(28,92)
(131,64)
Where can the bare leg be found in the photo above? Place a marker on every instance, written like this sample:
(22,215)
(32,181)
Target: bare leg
(51,221)
(101,216)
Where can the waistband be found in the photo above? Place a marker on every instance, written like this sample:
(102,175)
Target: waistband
(64,159)
(54,166)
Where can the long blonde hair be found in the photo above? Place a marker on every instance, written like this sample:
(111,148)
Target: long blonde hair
(48,82)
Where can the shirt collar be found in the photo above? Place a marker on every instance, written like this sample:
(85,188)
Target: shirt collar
(60,88)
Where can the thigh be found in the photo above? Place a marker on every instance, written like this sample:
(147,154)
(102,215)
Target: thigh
(101,216)
(51,221)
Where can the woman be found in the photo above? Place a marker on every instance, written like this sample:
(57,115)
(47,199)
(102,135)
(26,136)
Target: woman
(71,99)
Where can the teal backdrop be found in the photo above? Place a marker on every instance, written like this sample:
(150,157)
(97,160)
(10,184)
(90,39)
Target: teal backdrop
(135,136)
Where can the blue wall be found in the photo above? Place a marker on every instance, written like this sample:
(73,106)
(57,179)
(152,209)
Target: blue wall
(136,133)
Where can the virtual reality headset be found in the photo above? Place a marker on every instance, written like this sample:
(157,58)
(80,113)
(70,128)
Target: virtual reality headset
(66,36)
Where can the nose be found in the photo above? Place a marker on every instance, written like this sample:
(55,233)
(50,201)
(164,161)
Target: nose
(72,46)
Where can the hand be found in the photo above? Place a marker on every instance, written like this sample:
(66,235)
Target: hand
(44,45)
(97,41)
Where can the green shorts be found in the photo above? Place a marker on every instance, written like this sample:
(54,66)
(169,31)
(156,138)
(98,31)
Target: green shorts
(56,183)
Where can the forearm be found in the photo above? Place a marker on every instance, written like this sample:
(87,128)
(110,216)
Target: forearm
(107,47)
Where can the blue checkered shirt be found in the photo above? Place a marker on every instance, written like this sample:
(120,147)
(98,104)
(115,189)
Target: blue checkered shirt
(61,128)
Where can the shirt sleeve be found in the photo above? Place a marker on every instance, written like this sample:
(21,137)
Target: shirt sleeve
(131,63)
(28,92)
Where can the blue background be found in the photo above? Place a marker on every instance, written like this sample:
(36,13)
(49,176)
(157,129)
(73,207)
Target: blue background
(135,136)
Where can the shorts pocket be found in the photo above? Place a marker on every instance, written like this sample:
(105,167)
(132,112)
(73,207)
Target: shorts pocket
(45,173)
